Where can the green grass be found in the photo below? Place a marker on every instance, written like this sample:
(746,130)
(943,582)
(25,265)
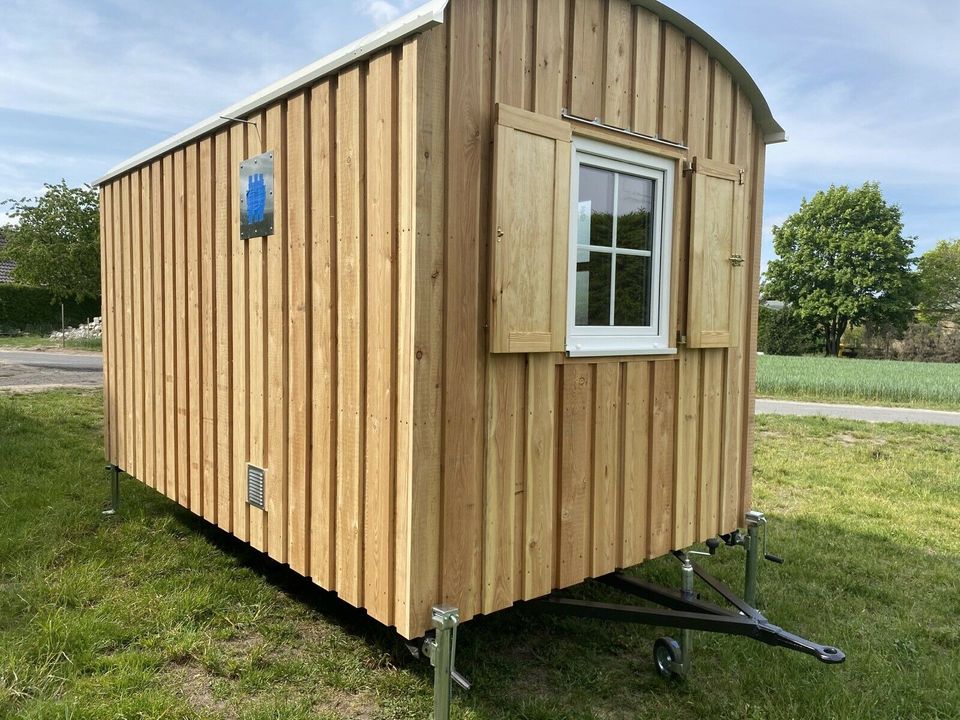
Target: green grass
(873,382)
(154,614)
(43,342)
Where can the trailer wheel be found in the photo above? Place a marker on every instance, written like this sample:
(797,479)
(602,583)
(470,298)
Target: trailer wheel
(667,657)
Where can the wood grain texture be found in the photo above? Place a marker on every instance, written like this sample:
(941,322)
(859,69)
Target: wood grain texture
(323,251)
(350,333)
(425,534)
(223,297)
(240,405)
(208,328)
(298,347)
(379,337)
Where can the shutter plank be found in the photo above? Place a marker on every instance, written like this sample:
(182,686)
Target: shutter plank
(530,223)
(716,230)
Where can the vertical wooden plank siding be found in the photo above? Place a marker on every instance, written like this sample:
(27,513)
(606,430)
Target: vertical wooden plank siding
(257,399)
(156,357)
(407,60)
(276,291)
(224,424)
(298,330)
(350,329)
(323,229)
(181,380)
(106,268)
(208,339)
(346,353)
(170,314)
(468,131)
(147,354)
(430,277)
(240,349)
(379,341)
(127,345)
(194,382)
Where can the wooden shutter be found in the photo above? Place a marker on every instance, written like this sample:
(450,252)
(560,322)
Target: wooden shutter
(531,210)
(716,255)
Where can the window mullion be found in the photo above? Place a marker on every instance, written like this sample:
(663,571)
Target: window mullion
(613,244)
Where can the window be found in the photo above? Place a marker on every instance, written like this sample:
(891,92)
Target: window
(620,229)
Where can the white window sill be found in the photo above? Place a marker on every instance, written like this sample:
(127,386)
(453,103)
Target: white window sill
(608,352)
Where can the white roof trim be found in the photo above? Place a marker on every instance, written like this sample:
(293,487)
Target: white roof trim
(772,132)
(415,21)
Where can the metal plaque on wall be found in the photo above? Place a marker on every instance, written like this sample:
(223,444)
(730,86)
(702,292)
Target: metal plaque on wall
(256,196)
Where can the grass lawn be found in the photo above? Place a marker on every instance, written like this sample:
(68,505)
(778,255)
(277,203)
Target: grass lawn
(154,614)
(872,382)
(42,342)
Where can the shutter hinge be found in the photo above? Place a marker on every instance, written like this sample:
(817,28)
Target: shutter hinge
(681,338)
(690,166)
(742,175)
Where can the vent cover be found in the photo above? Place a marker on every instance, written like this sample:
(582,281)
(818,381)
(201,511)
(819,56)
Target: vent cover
(255,481)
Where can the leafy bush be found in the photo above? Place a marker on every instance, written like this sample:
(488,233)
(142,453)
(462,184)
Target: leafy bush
(33,310)
(781,332)
(940,343)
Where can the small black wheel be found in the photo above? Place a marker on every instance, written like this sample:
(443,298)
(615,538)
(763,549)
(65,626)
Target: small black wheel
(666,657)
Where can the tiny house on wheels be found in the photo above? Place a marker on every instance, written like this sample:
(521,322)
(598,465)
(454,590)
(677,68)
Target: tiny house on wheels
(461,314)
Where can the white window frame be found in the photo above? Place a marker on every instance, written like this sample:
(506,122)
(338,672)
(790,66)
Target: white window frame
(654,339)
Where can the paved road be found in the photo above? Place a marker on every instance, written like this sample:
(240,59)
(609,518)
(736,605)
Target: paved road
(30,370)
(92,362)
(858,412)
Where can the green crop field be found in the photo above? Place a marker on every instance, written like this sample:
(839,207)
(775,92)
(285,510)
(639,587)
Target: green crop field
(876,382)
(154,613)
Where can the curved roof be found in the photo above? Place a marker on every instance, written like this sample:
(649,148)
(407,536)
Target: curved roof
(772,131)
(414,22)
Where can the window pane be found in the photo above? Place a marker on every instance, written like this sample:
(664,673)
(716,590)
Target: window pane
(595,207)
(634,212)
(593,288)
(632,303)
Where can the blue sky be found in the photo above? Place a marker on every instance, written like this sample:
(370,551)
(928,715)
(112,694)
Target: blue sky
(866,89)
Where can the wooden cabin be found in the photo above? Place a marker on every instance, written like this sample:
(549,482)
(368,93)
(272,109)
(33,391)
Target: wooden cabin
(498,335)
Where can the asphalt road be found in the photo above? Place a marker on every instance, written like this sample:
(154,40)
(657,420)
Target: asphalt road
(92,362)
(25,370)
(858,412)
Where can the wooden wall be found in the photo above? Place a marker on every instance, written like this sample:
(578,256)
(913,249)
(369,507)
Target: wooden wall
(535,471)
(292,352)
(347,353)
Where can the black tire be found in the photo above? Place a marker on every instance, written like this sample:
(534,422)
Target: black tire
(666,654)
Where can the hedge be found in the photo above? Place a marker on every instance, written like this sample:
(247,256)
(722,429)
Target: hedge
(32,310)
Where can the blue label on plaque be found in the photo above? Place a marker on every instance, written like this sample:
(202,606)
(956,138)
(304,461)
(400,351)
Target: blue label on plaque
(256,198)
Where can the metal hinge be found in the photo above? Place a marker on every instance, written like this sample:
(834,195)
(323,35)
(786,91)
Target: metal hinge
(742,175)
(681,338)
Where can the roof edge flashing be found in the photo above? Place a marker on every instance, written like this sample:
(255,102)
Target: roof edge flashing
(417,20)
(772,131)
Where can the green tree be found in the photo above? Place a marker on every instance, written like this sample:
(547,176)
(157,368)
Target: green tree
(842,259)
(55,241)
(938,275)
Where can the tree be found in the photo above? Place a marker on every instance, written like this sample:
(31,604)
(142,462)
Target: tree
(842,259)
(938,275)
(55,241)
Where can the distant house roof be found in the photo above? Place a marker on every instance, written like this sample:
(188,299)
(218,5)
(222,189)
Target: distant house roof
(6,266)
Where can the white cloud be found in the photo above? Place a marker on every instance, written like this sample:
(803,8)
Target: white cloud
(385,11)
(381,11)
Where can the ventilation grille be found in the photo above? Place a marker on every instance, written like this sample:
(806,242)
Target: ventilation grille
(255,481)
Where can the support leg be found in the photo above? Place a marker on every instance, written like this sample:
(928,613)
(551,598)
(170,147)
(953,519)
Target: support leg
(754,520)
(114,490)
(686,635)
(441,651)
